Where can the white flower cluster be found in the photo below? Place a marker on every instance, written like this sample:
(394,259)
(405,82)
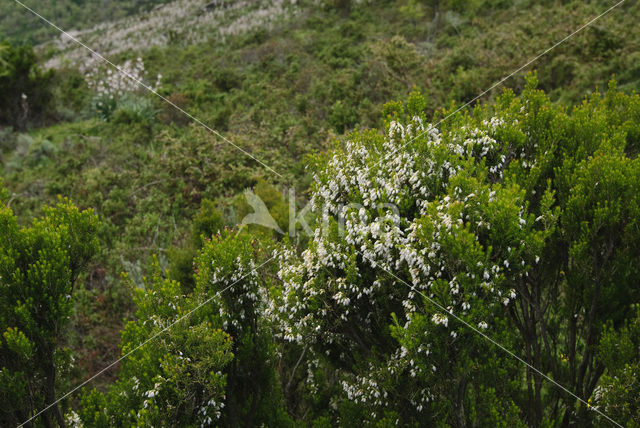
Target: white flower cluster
(242,287)
(187,20)
(393,213)
(210,412)
(405,361)
(150,395)
(112,84)
(440,319)
(73,420)
(365,390)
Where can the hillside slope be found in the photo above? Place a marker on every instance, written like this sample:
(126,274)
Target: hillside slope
(280,79)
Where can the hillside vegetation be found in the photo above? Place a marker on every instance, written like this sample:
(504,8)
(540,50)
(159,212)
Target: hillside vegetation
(515,217)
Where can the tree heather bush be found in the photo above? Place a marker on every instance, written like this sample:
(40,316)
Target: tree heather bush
(214,366)
(518,218)
(115,88)
(39,268)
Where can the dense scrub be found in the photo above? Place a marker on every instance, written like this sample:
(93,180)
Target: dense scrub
(518,215)
(67,14)
(517,220)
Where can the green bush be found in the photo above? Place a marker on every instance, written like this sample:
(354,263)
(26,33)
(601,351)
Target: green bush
(176,379)
(25,90)
(39,268)
(517,199)
(132,109)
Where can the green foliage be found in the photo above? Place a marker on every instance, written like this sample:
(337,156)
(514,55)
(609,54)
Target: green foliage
(177,377)
(208,222)
(342,117)
(557,185)
(273,200)
(618,390)
(65,13)
(4,195)
(39,268)
(227,273)
(181,266)
(25,90)
(194,373)
(519,218)
(132,110)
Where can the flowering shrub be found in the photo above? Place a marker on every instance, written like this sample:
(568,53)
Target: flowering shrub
(485,216)
(206,369)
(113,86)
(39,267)
(222,266)
(175,379)
(456,233)
(436,249)
(229,272)
(619,390)
(184,21)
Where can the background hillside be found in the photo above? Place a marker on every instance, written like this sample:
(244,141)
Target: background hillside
(281,79)
(280,90)
(16,25)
